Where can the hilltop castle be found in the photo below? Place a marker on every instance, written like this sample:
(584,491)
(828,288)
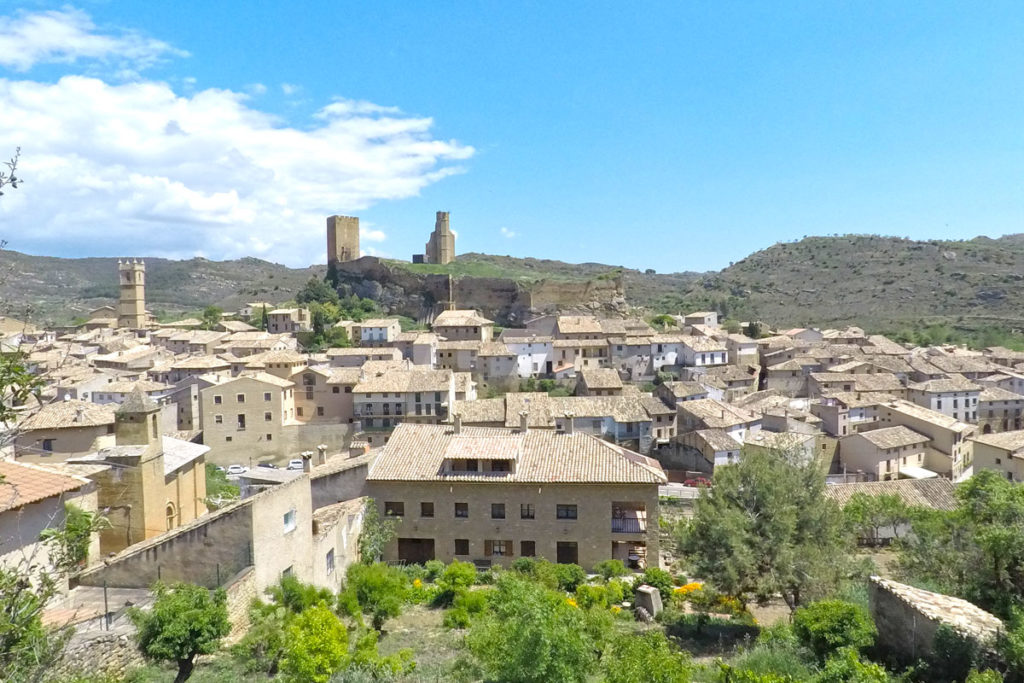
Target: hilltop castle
(342,239)
(441,245)
(131,309)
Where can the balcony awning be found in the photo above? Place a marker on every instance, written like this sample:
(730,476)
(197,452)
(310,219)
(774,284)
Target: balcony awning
(910,472)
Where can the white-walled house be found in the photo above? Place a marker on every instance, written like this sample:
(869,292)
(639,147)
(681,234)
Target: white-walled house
(704,351)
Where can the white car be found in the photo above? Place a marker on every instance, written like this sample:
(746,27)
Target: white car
(295,464)
(237,469)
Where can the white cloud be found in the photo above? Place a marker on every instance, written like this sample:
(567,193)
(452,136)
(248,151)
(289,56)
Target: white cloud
(256,89)
(510,234)
(368,234)
(289,89)
(138,169)
(68,35)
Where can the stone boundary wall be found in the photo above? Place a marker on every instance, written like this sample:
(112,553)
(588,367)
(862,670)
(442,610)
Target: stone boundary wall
(241,589)
(907,619)
(97,653)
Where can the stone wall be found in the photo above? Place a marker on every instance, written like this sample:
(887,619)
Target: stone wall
(215,546)
(339,480)
(506,301)
(907,619)
(97,653)
(241,589)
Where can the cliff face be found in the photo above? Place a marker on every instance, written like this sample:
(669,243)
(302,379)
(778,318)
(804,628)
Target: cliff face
(508,302)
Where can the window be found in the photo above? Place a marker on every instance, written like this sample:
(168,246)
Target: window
(287,571)
(266,396)
(268,417)
(330,561)
(217,400)
(427,509)
(528,548)
(462,510)
(241,421)
(348,390)
(298,411)
(472,465)
(394,509)
(526,511)
(240,398)
(227,438)
(497,511)
(320,411)
(309,394)
(289,520)
(48,445)
(497,548)
(218,419)
(500,466)
(335,390)
(462,546)
(566,511)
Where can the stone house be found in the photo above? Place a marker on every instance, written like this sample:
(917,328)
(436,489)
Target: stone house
(245,415)
(382,402)
(716,446)
(888,453)
(999,410)
(599,382)
(288,321)
(713,414)
(117,392)
(704,351)
(1002,452)
(490,495)
(376,332)
(63,428)
(949,450)
(534,354)
(463,325)
(356,356)
(955,396)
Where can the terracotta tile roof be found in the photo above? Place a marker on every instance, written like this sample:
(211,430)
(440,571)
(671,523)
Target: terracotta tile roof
(461,318)
(404,381)
(943,386)
(64,414)
(936,493)
(893,437)
(579,324)
(601,378)
(1009,441)
(718,439)
(24,484)
(418,453)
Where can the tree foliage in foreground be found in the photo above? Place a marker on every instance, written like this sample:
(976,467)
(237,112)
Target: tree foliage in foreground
(185,621)
(27,648)
(765,528)
(69,543)
(377,532)
(975,551)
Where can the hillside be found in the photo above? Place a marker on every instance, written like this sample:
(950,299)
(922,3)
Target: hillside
(56,290)
(880,283)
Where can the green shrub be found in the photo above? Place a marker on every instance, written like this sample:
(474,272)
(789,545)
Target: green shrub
(648,657)
(525,565)
(456,618)
(434,569)
(660,579)
(845,665)
(617,591)
(569,576)
(379,589)
(487,578)
(611,569)
(316,646)
(455,577)
(826,626)
(473,602)
(588,595)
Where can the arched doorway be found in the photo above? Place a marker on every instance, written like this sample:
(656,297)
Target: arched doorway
(987,429)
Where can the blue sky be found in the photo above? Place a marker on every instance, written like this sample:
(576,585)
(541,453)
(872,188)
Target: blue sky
(674,136)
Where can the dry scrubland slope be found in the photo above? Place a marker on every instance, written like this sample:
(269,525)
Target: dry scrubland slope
(877,282)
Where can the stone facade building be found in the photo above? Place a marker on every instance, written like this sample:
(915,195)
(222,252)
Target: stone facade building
(490,495)
(131,309)
(441,245)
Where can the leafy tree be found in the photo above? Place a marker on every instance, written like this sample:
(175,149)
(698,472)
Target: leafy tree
(317,291)
(645,658)
(660,579)
(262,646)
(663,321)
(846,666)
(27,648)
(316,647)
(7,177)
(265,319)
(211,317)
(17,386)
(569,576)
(456,577)
(379,590)
(766,528)
(377,532)
(830,625)
(186,620)
(297,597)
(611,569)
(532,635)
(69,543)
(867,515)
(975,551)
(219,491)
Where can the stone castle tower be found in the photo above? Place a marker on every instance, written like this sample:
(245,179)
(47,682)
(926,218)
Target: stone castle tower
(342,239)
(441,246)
(131,309)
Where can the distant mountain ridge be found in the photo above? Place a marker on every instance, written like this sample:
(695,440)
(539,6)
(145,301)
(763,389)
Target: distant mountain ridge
(873,281)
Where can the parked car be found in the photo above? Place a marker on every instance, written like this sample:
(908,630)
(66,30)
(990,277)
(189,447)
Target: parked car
(697,482)
(219,468)
(237,469)
(268,465)
(295,464)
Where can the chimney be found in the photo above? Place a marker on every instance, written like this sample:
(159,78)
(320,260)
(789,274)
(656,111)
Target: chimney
(524,421)
(569,427)
(458,422)
(79,413)
(321,454)
(307,461)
